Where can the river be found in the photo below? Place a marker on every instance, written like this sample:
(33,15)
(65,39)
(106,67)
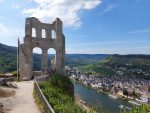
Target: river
(101,101)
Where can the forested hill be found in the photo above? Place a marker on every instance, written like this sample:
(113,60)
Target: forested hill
(98,62)
(127,65)
(7,49)
(8,59)
(134,60)
(83,59)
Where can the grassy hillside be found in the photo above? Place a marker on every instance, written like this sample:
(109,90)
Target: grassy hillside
(83,59)
(98,69)
(134,60)
(71,59)
(135,65)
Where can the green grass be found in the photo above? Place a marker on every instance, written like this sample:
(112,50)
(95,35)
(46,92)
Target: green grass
(145,108)
(127,59)
(98,68)
(2,74)
(59,94)
(38,102)
(107,66)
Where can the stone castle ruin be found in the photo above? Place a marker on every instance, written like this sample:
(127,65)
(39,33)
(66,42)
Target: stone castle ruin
(56,42)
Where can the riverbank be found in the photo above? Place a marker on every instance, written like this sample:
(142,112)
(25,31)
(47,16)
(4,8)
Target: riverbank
(101,102)
(116,96)
(84,105)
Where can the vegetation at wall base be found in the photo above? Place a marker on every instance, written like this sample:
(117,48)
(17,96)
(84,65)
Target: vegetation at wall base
(64,83)
(60,98)
(38,102)
(144,108)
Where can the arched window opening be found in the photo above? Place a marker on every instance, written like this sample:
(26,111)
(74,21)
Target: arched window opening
(53,34)
(33,32)
(36,58)
(43,33)
(51,59)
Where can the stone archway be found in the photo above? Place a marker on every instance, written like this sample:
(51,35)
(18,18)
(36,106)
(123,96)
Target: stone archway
(46,42)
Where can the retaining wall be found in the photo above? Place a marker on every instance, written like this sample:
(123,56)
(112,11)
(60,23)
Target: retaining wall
(38,93)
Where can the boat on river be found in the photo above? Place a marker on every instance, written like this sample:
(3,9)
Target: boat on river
(112,96)
(134,102)
(124,107)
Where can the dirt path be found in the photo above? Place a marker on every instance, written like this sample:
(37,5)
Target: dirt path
(23,101)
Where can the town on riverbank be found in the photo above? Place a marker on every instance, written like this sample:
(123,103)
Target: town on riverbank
(136,90)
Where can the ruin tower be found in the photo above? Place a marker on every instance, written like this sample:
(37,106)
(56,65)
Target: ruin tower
(56,42)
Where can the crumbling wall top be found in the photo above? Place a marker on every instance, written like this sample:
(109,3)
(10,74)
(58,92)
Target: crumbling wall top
(33,22)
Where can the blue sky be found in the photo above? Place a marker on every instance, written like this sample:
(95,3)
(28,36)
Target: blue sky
(90,26)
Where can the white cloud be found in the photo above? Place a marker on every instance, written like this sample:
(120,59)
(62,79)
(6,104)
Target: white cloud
(110,50)
(139,1)
(107,43)
(16,6)
(139,31)
(66,10)
(1,1)
(29,1)
(2,28)
(109,8)
(9,35)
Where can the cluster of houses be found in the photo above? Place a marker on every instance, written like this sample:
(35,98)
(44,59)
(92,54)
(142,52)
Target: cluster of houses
(128,69)
(136,90)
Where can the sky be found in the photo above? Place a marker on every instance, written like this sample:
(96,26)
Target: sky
(89,26)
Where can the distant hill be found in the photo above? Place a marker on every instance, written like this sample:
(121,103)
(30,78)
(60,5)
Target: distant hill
(104,64)
(8,59)
(83,59)
(134,60)
(7,49)
(129,65)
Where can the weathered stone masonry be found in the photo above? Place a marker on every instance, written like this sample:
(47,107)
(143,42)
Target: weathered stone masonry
(45,43)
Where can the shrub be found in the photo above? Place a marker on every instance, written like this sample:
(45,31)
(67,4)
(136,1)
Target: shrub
(1,75)
(14,73)
(64,83)
(144,108)
(59,94)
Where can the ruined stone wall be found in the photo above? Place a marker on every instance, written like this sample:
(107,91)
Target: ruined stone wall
(45,43)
